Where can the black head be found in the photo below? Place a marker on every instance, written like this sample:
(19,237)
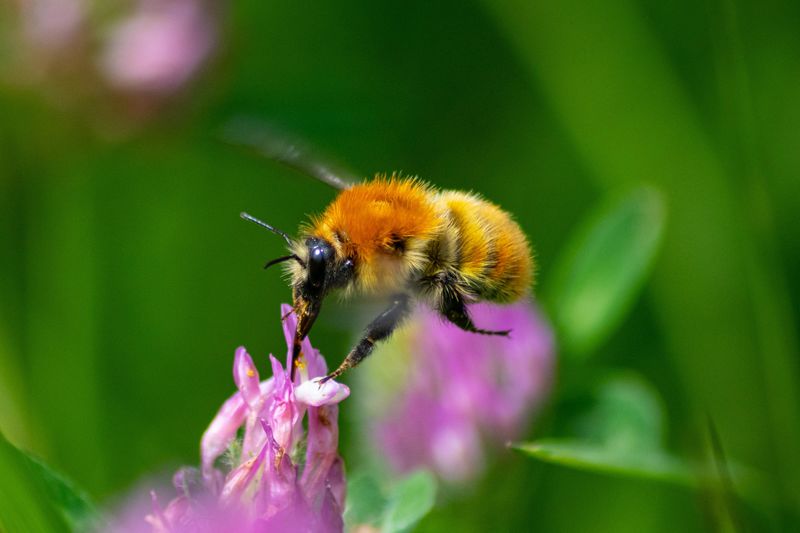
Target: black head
(323,271)
(318,265)
(320,271)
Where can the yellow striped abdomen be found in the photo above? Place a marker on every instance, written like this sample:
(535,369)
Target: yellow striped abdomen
(485,248)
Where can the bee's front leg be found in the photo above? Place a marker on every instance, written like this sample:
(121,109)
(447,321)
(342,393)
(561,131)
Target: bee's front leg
(377,330)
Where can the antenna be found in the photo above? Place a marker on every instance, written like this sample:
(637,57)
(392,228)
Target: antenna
(263,224)
(294,257)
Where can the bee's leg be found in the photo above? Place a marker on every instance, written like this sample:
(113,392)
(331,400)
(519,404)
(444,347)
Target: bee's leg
(380,328)
(455,311)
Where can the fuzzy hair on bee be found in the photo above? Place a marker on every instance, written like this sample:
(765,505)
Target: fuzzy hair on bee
(404,235)
(402,239)
(385,226)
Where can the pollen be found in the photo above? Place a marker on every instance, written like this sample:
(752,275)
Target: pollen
(250,372)
(299,363)
(279,457)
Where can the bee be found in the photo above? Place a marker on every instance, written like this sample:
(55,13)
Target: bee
(401,239)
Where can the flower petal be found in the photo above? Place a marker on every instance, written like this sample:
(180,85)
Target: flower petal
(157,518)
(330,514)
(289,323)
(246,378)
(316,393)
(253,434)
(314,363)
(336,481)
(264,489)
(323,440)
(220,432)
(187,482)
(456,452)
(280,375)
(279,490)
(470,386)
(159,46)
(240,478)
(178,511)
(284,413)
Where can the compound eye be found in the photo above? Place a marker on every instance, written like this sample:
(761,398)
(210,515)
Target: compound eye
(316,265)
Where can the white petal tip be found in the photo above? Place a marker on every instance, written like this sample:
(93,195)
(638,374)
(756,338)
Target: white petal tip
(316,393)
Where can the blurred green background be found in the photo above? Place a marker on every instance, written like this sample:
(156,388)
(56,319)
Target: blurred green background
(127,278)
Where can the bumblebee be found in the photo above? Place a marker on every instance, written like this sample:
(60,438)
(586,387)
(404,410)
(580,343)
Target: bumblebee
(402,239)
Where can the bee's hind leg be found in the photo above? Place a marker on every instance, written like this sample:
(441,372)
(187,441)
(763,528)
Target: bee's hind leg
(377,330)
(455,311)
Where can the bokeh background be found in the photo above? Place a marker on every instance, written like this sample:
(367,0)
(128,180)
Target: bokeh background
(127,278)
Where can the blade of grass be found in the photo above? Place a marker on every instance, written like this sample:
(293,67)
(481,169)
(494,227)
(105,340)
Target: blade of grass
(24,501)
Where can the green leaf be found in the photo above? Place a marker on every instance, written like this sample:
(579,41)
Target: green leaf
(602,269)
(73,504)
(621,433)
(34,498)
(25,504)
(655,465)
(393,505)
(648,464)
(366,503)
(410,500)
(626,415)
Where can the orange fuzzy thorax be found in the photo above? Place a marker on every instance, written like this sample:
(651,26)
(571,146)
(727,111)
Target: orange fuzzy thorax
(384,223)
(404,235)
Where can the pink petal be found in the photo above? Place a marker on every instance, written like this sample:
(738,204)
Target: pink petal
(284,414)
(52,24)
(472,386)
(336,481)
(330,514)
(246,378)
(311,358)
(253,435)
(265,491)
(289,323)
(279,489)
(239,479)
(221,432)
(281,376)
(456,452)
(159,46)
(323,440)
(178,511)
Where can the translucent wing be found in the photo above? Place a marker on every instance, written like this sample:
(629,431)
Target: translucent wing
(272,143)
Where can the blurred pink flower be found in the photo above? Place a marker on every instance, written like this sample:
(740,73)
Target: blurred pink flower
(51,24)
(159,46)
(464,391)
(264,487)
